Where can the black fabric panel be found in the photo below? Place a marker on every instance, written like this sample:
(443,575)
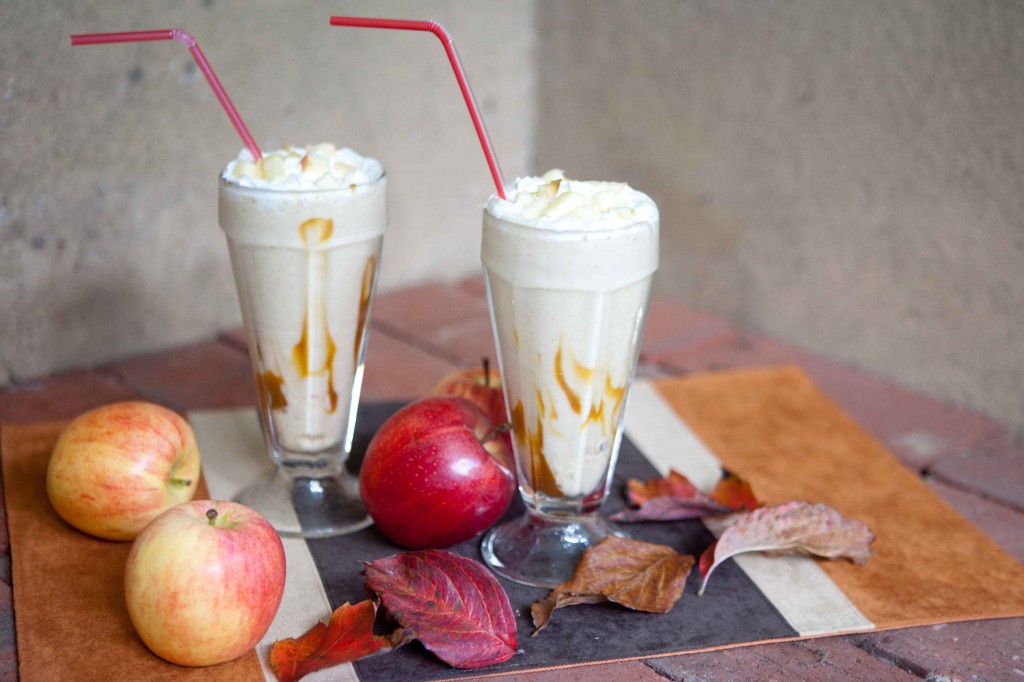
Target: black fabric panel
(732,611)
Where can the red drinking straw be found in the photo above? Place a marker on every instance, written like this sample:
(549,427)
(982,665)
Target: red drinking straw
(186,39)
(449,47)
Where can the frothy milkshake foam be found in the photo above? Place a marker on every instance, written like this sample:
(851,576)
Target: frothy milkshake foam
(304,228)
(569,267)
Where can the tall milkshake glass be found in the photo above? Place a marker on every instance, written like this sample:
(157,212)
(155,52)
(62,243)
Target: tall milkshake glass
(569,267)
(304,230)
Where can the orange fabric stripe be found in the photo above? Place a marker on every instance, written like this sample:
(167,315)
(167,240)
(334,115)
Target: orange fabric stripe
(72,622)
(775,428)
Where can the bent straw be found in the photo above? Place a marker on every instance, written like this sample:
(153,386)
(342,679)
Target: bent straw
(449,47)
(186,39)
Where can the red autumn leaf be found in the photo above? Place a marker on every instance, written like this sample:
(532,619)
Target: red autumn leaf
(348,637)
(452,604)
(675,498)
(638,575)
(793,527)
(735,493)
(674,485)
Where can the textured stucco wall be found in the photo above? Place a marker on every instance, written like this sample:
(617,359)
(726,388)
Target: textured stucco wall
(109,244)
(846,175)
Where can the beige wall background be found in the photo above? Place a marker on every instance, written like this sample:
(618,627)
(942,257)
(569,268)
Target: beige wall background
(846,176)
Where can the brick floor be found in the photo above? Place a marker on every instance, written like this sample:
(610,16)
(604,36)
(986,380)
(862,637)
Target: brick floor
(396,370)
(671,325)
(200,376)
(980,650)
(828,658)
(1000,522)
(994,469)
(423,313)
(62,396)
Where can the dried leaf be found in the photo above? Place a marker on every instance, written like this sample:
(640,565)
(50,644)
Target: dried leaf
(348,637)
(452,604)
(638,575)
(735,493)
(674,485)
(670,509)
(788,528)
(675,498)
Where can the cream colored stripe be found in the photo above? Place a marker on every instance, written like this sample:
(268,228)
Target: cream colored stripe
(805,595)
(233,453)
(666,441)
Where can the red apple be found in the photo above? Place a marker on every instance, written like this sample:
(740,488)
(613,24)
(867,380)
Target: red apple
(436,473)
(115,468)
(480,385)
(204,581)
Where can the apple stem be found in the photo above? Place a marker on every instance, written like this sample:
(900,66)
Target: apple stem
(186,482)
(212,515)
(487,370)
(501,428)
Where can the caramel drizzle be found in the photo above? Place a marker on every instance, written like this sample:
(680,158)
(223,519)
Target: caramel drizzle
(364,306)
(324,229)
(597,413)
(300,356)
(321,229)
(570,395)
(271,387)
(541,478)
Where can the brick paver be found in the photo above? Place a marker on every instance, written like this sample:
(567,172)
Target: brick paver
(426,313)
(978,650)
(830,658)
(1003,524)
(396,370)
(61,396)
(994,469)
(671,325)
(200,376)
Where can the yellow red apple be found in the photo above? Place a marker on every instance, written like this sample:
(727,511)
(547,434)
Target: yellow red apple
(115,468)
(204,581)
(437,472)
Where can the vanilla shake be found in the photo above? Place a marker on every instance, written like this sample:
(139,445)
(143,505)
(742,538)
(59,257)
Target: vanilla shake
(569,267)
(304,228)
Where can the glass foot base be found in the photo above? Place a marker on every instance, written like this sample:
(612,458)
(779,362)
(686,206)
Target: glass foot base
(308,507)
(542,551)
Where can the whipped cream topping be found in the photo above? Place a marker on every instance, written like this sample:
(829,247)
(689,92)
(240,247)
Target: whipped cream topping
(319,166)
(553,201)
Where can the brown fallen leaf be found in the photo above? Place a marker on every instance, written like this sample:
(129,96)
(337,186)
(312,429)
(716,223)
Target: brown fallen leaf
(638,575)
(793,527)
(348,637)
(675,498)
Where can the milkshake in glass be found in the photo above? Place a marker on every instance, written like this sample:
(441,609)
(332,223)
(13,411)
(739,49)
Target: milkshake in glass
(569,267)
(304,228)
